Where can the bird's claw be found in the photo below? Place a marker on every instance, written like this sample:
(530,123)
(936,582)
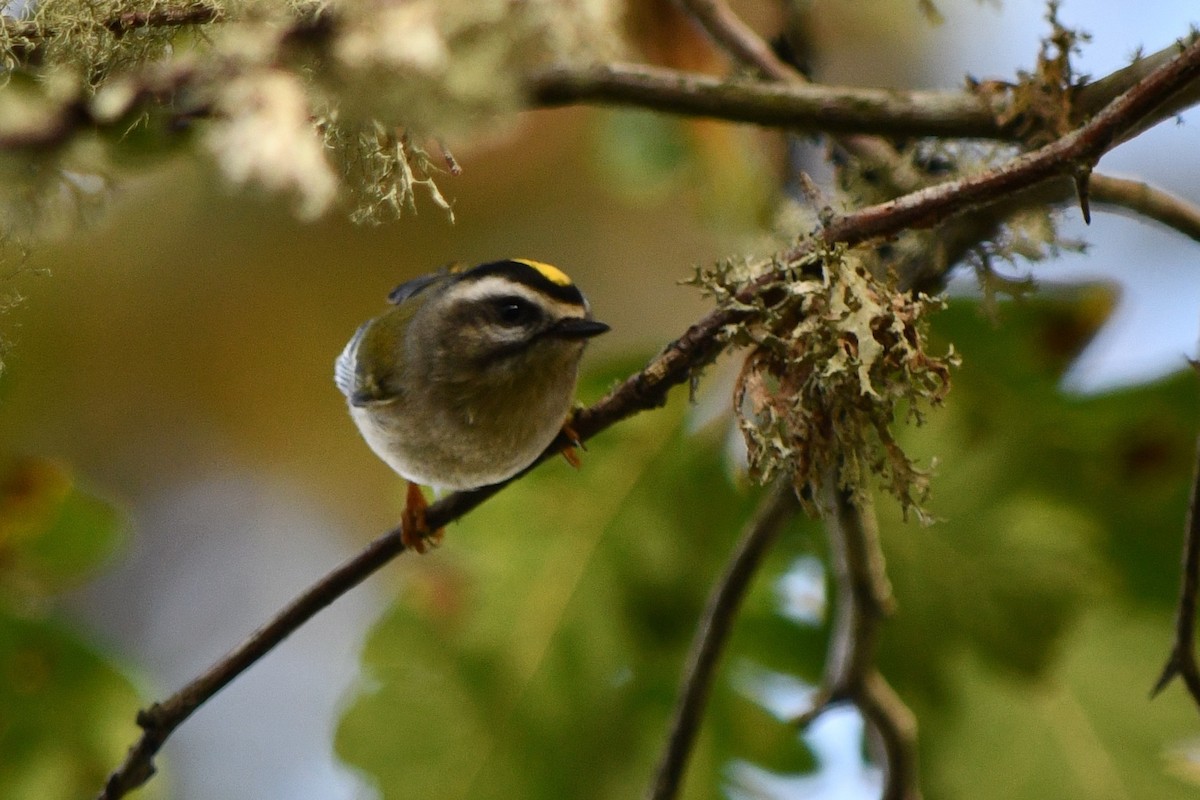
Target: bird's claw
(414,527)
(569,452)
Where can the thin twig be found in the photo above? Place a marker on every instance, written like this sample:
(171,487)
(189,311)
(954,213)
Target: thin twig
(1182,661)
(777,507)
(739,39)
(643,390)
(894,727)
(648,388)
(747,47)
(863,599)
(161,719)
(1148,201)
(863,596)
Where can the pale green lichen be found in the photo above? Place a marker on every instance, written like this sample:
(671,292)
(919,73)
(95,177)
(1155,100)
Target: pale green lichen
(323,100)
(382,171)
(1042,102)
(87,36)
(837,357)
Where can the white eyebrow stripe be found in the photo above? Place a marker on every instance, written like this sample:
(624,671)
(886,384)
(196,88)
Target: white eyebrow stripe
(494,287)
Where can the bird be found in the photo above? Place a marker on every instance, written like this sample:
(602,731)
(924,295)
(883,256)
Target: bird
(468,377)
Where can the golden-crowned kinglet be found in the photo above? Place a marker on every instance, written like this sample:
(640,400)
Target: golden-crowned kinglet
(469,377)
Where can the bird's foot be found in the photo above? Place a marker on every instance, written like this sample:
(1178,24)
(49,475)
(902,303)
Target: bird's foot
(414,528)
(569,452)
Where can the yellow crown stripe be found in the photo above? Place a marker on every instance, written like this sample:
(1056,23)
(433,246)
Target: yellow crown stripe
(550,273)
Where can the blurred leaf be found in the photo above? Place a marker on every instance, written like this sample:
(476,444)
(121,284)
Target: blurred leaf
(66,712)
(1087,730)
(647,157)
(641,153)
(1056,511)
(51,533)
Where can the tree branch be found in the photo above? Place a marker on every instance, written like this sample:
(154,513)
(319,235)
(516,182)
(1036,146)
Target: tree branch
(1099,93)
(644,390)
(648,388)
(777,507)
(894,728)
(747,47)
(110,110)
(863,595)
(863,599)
(830,109)
(842,111)
(1148,201)
(739,39)
(165,17)
(1182,661)
(1079,149)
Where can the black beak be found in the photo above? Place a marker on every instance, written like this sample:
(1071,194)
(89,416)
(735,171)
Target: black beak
(578,328)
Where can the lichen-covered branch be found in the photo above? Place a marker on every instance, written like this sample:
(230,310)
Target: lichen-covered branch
(1080,149)
(791,104)
(313,101)
(122,22)
(296,97)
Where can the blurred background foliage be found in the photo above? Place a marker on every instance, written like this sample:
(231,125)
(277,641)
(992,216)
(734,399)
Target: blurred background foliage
(176,351)
(64,703)
(1031,625)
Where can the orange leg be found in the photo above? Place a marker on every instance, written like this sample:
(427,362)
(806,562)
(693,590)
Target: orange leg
(569,453)
(414,530)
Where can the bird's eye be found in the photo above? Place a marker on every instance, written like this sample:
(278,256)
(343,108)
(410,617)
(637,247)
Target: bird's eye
(515,311)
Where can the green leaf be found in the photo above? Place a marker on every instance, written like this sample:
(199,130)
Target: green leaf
(52,534)
(65,712)
(642,153)
(1088,729)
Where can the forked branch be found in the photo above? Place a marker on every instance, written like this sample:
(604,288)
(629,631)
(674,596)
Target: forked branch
(862,600)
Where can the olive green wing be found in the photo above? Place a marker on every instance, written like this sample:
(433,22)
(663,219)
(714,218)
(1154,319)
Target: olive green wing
(371,366)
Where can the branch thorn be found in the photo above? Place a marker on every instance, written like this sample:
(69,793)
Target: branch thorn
(1083,177)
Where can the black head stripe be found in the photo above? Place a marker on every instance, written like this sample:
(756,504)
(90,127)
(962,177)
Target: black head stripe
(527,275)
